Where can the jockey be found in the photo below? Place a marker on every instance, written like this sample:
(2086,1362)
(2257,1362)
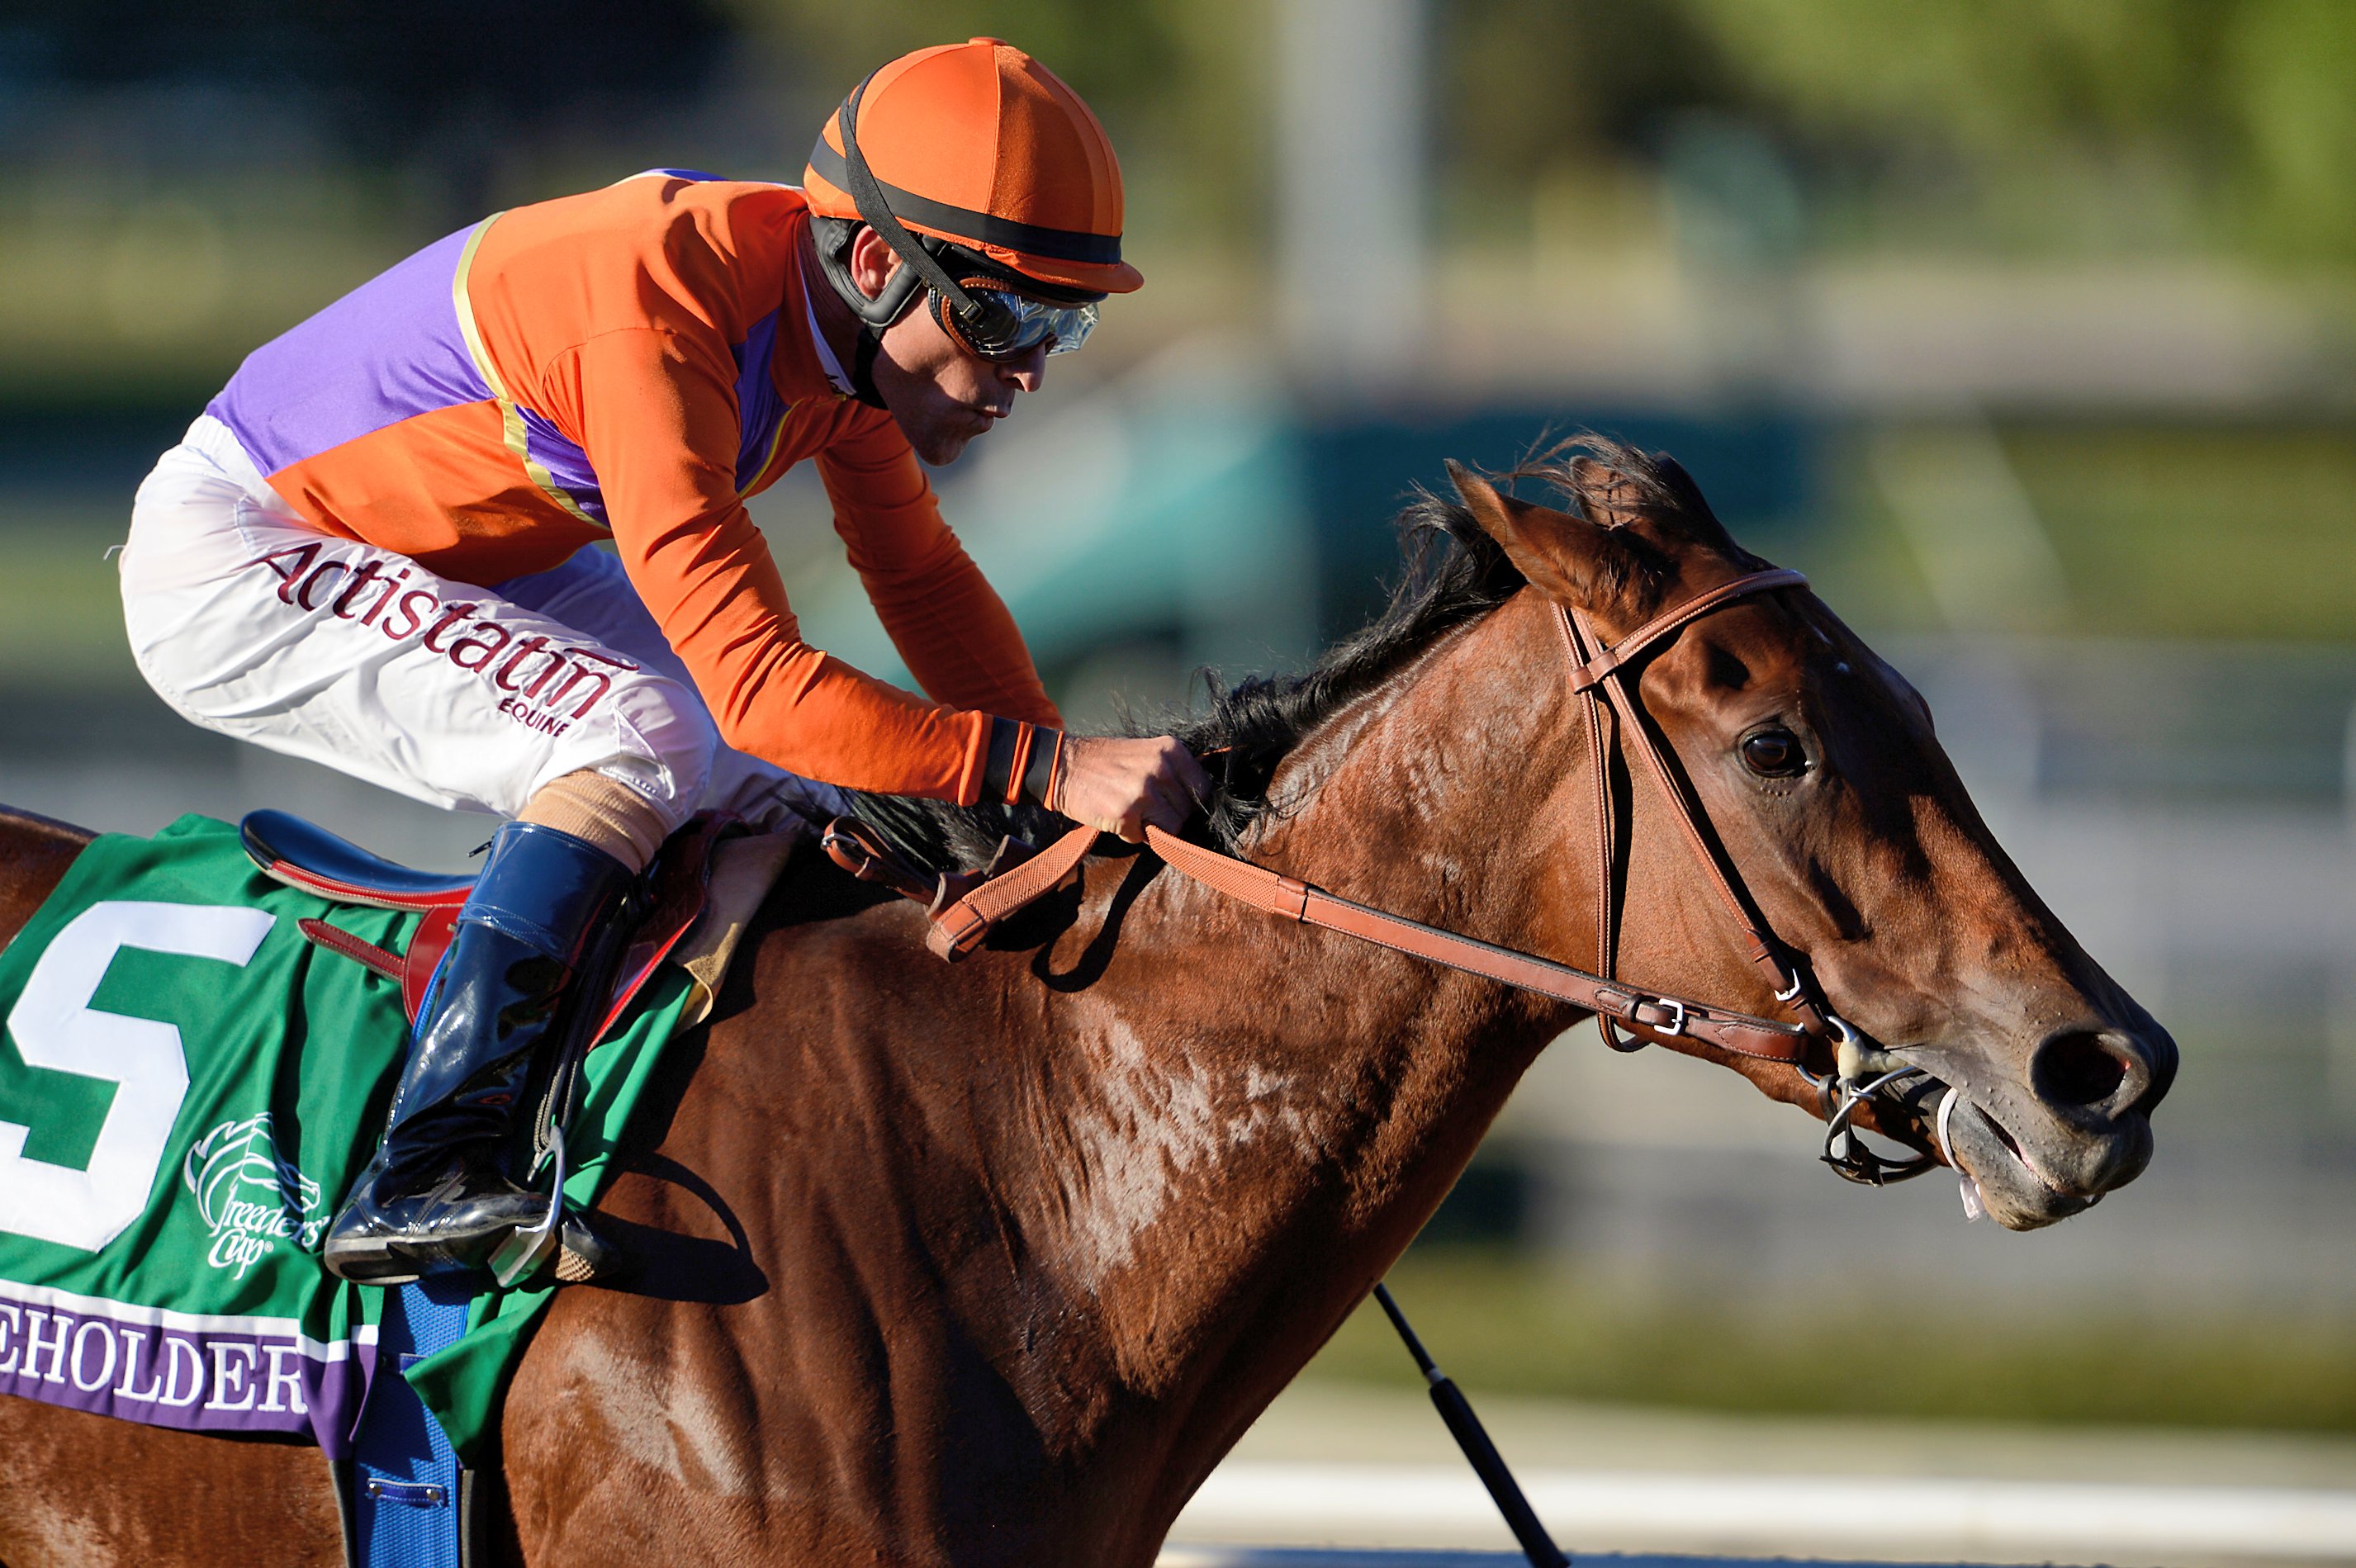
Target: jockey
(371,551)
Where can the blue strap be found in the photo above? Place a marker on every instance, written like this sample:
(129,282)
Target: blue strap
(405,1476)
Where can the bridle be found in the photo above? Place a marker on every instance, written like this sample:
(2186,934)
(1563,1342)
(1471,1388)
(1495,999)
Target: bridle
(1861,1071)
(964,909)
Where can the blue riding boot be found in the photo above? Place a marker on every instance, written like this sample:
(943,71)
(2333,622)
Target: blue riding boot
(533,948)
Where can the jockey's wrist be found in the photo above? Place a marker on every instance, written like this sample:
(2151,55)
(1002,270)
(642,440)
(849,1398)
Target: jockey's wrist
(1025,766)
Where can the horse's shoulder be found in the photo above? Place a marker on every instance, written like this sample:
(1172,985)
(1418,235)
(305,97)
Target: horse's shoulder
(819,930)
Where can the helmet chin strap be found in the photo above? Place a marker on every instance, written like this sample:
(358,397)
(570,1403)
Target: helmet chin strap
(867,195)
(863,367)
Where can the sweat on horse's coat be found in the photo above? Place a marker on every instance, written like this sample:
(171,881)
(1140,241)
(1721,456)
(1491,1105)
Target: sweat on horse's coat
(1143,1125)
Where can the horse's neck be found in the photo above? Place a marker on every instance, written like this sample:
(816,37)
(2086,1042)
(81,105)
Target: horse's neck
(1258,1117)
(1419,798)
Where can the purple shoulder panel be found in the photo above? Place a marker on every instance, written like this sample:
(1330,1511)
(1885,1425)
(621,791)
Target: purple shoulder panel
(565,461)
(388,350)
(759,407)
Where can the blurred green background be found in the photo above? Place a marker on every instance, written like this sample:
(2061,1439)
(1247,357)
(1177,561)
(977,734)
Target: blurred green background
(2025,326)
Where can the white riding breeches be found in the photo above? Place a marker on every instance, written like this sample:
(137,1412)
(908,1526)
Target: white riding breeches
(250,622)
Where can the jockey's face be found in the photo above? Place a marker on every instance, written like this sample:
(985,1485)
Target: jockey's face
(941,394)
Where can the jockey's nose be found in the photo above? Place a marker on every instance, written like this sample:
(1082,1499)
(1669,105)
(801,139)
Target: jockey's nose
(1026,372)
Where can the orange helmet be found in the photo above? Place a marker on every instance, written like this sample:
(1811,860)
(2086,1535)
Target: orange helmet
(981,146)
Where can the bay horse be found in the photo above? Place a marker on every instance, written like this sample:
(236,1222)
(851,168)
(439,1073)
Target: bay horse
(990,1263)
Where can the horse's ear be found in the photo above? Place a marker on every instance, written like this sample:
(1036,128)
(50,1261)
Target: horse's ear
(1570,559)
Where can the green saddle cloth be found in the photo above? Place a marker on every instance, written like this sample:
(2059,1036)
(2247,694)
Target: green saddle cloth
(188,1086)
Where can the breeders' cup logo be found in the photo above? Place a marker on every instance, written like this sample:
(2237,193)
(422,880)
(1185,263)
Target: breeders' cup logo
(249,1197)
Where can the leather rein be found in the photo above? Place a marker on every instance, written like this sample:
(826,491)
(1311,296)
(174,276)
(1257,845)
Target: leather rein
(964,909)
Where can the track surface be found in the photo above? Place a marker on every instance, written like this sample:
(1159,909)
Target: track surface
(1370,1469)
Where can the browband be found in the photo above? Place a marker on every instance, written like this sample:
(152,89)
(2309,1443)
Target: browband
(1660,627)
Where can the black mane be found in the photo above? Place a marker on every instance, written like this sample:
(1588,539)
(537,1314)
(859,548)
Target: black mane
(1453,573)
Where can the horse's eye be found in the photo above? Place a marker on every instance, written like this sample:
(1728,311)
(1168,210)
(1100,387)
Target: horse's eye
(1774,754)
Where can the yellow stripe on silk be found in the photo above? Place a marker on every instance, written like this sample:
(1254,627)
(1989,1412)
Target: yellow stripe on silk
(510,417)
(776,440)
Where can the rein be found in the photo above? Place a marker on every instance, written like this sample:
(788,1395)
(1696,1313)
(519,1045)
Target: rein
(964,910)
(1668,1016)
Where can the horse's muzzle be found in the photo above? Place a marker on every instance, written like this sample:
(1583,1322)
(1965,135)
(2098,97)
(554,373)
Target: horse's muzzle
(2081,1129)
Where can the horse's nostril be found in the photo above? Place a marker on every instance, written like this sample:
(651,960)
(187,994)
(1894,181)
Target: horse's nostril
(2078,1067)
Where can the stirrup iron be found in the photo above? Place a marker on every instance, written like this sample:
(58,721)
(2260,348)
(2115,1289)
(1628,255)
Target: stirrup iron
(525,1250)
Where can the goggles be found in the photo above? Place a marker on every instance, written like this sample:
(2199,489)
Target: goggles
(1003,324)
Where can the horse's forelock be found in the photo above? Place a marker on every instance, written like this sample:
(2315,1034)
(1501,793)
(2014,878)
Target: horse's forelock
(1623,486)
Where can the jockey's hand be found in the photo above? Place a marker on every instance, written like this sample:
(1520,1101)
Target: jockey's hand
(1118,786)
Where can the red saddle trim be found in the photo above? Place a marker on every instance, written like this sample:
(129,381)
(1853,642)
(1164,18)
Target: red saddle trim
(344,892)
(426,946)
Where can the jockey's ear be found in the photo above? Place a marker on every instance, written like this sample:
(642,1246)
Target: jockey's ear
(1570,559)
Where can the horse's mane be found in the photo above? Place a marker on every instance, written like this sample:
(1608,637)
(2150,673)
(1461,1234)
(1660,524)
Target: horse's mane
(1452,572)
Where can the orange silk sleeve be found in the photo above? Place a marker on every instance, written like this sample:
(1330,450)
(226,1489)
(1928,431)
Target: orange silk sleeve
(654,408)
(948,623)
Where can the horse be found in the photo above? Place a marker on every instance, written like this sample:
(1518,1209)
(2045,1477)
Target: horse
(990,1262)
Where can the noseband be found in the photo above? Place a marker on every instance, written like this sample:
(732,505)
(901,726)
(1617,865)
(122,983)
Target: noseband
(1600,675)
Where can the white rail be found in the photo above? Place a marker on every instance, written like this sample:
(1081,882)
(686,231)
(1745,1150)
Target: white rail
(1900,1517)
(1316,1557)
